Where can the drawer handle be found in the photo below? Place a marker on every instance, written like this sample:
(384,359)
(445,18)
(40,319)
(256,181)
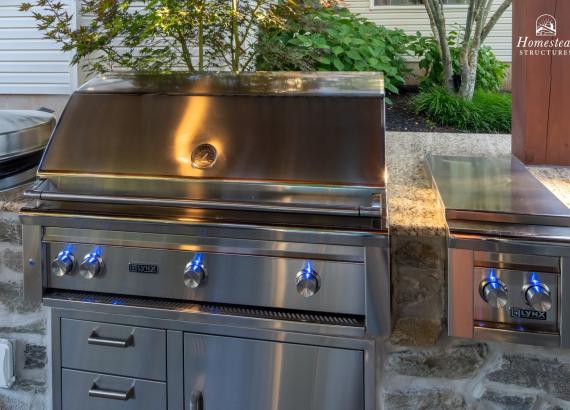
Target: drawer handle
(94,339)
(197,401)
(95,391)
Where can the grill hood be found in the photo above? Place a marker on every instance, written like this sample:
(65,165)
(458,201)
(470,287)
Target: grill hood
(296,140)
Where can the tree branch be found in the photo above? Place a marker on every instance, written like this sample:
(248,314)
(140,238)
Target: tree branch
(494,18)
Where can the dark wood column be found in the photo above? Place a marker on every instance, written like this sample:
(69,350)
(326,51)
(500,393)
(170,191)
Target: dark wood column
(541,86)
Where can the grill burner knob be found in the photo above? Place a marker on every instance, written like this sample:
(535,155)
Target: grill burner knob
(195,272)
(539,298)
(308,282)
(63,264)
(494,292)
(91,266)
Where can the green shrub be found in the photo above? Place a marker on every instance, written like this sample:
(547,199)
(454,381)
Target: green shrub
(317,38)
(490,71)
(487,112)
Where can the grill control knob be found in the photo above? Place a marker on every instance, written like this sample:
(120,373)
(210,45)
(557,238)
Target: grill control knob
(195,272)
(63,264)
(539,297)
(308,281)
(91,266)
(494,292)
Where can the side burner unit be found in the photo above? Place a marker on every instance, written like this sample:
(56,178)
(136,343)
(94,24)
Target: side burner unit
(214,242)
(509,252)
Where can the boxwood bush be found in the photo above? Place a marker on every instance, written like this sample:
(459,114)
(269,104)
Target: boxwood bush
(318,38)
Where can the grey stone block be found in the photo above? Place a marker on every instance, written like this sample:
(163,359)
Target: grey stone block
(30,386)
(10,229)
(35,327)
(35,356)
(549,375)
(424,400)
(12,297)
(14,259)
(507,401)
(11,403)
(456,361)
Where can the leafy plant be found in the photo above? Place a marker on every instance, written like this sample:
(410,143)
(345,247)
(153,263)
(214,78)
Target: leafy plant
(155,35)
(490,71)
(317,38)
(486,112)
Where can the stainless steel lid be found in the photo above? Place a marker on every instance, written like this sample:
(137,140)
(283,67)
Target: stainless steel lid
(23,132)
(494,190)
(285,141)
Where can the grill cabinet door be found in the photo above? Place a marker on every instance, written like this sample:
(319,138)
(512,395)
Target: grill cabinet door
(236,374)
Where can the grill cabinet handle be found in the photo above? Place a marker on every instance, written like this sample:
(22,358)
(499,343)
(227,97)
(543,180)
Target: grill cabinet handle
(197,401)
(95,391)
(94,339)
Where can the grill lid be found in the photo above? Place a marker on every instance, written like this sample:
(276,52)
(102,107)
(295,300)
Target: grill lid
(292,140)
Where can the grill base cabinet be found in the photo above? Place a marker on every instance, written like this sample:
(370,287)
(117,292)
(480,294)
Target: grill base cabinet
(165,369)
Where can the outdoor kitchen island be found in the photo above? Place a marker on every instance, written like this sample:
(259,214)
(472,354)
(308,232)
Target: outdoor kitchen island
(418,371)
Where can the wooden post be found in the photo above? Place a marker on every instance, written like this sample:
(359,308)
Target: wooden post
(541,85)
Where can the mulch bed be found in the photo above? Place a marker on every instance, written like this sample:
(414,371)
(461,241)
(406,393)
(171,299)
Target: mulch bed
(400,116)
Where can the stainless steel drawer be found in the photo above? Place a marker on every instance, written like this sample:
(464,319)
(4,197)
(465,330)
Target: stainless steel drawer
(121,350)
(92,391)
(227,373)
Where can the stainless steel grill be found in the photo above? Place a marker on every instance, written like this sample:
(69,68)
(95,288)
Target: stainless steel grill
(249,208)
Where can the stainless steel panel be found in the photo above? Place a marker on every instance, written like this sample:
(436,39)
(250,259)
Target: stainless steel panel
(23,132)
(121,350)
(236,374)
(378,285)
(517,261)
(515,282)
(514,336)
(91,391)
(34,273)
(175,369)
(565,305)
(460,293)
(494,190)
(508,245)
(280,83)
(231,278)
(206,244)
(269,137)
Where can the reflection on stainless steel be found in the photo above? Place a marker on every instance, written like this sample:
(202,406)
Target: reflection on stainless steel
(494,190)
(509,237)
(190,230)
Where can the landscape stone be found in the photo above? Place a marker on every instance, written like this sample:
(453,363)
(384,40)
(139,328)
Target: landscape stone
(424,400)
(456,361)
(13,259)
(416,332)
(10,229)
(35,356)
(508,401)
(546,374)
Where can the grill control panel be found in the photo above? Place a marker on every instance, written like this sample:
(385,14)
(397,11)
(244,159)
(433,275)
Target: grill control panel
(230,277)
(516,297)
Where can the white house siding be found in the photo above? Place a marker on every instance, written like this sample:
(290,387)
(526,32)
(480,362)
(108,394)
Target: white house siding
(414,18)
(30,64)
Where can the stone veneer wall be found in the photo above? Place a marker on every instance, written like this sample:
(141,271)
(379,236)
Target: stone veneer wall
(419,368)
(26,324)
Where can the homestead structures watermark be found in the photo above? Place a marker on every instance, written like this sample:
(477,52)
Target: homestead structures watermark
(548,44)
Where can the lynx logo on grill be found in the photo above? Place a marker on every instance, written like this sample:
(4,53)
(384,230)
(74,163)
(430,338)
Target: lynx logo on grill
(142,268)
(527,314)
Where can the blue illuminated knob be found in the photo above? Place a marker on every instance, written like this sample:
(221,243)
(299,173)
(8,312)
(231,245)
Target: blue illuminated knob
(195,272)
(91,266)
(63,264)
(308,281)
(494,292)
(538,297)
